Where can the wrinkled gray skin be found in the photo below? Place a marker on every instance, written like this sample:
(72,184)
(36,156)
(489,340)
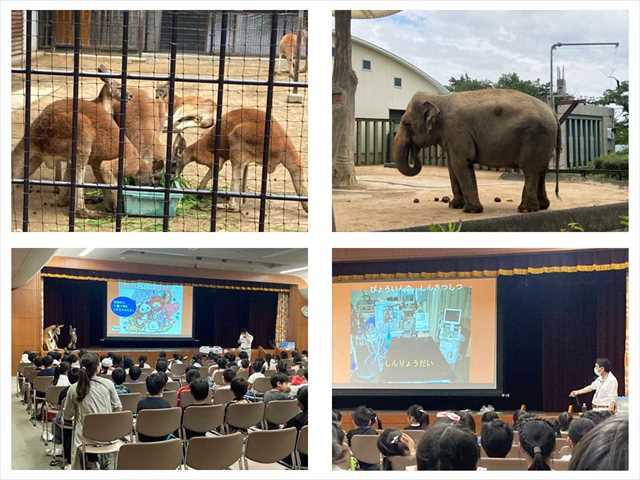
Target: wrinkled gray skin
(493,127)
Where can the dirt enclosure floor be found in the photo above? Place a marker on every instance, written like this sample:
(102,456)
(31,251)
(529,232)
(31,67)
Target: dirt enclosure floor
(193,214)
(386,200)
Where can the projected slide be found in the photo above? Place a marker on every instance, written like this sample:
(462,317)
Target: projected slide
(140,309)
(415,334)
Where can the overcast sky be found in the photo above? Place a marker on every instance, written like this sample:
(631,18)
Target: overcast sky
(485,44)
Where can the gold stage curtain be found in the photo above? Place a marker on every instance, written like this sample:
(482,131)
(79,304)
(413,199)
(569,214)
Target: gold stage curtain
(282,317)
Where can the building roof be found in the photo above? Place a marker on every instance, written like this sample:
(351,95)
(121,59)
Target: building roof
(437,85)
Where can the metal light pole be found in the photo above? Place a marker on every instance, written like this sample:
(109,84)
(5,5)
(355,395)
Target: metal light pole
(582,44)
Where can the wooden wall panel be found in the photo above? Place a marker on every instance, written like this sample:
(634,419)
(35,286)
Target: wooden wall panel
(26,319)
(298,323)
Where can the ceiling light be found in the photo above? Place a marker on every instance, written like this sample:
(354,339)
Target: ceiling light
(292,270)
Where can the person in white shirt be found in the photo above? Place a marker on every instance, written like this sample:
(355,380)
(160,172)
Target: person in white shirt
(605,386)
(245,340)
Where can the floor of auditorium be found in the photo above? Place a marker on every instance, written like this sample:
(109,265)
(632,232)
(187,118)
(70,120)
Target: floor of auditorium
(29,453)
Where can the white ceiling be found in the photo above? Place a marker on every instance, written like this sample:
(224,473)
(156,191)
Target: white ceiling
(259,260)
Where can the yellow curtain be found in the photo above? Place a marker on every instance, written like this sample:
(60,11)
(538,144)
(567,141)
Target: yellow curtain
(282,317)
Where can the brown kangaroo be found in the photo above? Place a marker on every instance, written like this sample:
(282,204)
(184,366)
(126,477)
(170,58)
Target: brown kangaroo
(287,49)
(189,111)
(97,146)
(241,142)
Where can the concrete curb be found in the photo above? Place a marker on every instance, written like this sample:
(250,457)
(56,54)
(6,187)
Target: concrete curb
(602,218)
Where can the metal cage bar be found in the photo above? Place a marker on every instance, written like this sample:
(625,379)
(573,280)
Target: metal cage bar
(74,120)
(27,128)
(122,120)
(168,163)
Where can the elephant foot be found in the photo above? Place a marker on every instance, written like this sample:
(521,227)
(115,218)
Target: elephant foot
(544,204)
(522,208)
(456,203)
(472,208)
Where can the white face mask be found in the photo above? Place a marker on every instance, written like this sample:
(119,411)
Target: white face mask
(596,371)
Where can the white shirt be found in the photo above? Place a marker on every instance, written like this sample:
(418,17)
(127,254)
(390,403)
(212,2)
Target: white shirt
(606,391)
(253,376)
(63,381)
(245,341)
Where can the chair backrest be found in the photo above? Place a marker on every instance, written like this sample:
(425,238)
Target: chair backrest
(227,448)
(242,374)
(218,379)
(138,387)
(164,455)
(21,367)
(280,412)
(503,463)
(171,396)
(269,373)
(42,383)
(178,369)
(130,401)
(172,386)
(29,373)
(142,378)
(147,370)
(107,427)
(222,396)
(204,371)
(244,415)
(365,448)
(203,418)
(401,462)
(415,434)
(302,445)
(186,399)
(105,376)
(262,384)
(561,442)
(158,422)
(270,446)
(53,396)
(560,464)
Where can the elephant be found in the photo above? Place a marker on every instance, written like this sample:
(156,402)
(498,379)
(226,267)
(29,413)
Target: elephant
(492,127)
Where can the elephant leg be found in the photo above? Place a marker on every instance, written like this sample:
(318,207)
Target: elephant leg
(543,200)
(458,200)
(530,193)
(466,177)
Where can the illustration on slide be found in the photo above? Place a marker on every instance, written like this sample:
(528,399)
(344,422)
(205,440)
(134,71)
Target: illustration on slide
(410,334)
(144,308)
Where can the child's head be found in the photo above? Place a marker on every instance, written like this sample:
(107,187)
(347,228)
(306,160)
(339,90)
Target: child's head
(162,354)
(303,398)
(222,363)
(73,375)
(191,374)
(604,447)
(284,355)
(228,375)
(142,360)
(199,388)
(578,428)
(155,383)
(162,365)
(467,421)
(417,416)
(118,376)
(537,440)
(363,416)
(37,362)
(127,363)
(243,355)
(257,365)
(245,364)
(281,367)
(564,420)
(47,360)
(496,438)
(135,372)
(447,446)
(239,387)
(280,382)
(488,416)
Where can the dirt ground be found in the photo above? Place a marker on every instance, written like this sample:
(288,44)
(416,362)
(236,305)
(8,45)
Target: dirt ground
(402,202)
(193,216)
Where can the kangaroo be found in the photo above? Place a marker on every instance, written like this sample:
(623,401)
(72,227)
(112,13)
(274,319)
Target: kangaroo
(241,142)
(287,49)
(189,111)
(97,146)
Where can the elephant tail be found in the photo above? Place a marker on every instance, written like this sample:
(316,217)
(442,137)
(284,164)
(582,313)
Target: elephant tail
(558,149)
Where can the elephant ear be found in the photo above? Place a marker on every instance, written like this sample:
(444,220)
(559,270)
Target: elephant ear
(431,114)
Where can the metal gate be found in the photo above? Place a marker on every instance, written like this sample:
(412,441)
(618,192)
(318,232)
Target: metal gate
(224,85)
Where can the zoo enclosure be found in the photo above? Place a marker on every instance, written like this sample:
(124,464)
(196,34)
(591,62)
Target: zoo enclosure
(221,39)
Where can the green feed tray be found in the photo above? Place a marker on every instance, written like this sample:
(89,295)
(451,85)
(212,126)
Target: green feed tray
(149,204)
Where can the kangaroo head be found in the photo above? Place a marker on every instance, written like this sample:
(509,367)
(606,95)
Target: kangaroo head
(111,90)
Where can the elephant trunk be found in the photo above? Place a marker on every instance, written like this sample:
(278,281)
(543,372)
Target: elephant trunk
(402,150)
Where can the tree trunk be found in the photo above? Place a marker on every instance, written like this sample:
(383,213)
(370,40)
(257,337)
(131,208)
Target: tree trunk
(344,89)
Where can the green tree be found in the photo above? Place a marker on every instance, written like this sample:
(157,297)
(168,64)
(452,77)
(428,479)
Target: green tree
(531,87)
(465,83)
(618,97)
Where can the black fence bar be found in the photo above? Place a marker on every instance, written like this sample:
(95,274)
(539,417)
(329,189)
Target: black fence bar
(27,128)
(218,128)
(266,145)
(160,78)
(74,121)
(187,191)
(168,164)
(122,119)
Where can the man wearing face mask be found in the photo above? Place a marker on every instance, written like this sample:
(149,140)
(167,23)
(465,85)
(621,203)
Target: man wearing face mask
(605,386)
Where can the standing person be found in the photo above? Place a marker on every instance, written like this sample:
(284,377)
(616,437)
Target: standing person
(245,340)
(605,386)
(92,394)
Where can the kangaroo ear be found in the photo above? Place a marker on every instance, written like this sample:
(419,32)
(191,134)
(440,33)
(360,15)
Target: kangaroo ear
(103,69)
(431,114)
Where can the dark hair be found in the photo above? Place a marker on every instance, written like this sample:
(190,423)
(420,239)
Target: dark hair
(604,447)
(417,413)
(134,372)
(199,388)
(155,383)
(281,367)
(336,416)
(228,375)
(211,355)
(32,356)
(597,416)
(162,365)
(363,416)
(564,420)
(447,446)
(488,416)
(176,356)
(245,363)
(222,363)
(118,376)
(88,369)
(284,355)
(61,369)
(467,421)
(162,354)
(142,359)
(604,363)
(127,363)
(496,438)
(73,358)
(37,361)
(243,330)
(578,429)
(239,387)
(303,397)
(55,355)
(267,359)
(191,374)
(538,440)
(338,448)
(516,417)
(47,360)
(257,365)
(117,360)
(242,355)
(390,445)
(278,378)
(74,375)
